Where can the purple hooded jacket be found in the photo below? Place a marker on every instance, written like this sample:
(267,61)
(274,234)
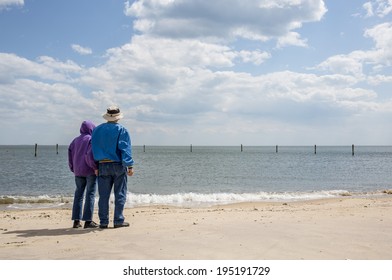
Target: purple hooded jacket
(80,156)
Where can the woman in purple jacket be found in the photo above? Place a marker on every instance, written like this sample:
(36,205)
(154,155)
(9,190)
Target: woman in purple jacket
(81,163)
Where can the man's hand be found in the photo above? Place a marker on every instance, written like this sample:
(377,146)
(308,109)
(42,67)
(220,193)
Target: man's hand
(130,171)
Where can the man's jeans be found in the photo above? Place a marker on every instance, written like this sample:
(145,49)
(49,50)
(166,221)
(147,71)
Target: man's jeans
(112,175)
(89,184)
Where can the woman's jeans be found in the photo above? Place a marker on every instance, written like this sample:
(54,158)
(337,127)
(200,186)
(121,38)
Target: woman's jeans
(112,175)
(89,184)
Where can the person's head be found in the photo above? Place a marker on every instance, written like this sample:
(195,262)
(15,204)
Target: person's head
(87,127)
(113,114)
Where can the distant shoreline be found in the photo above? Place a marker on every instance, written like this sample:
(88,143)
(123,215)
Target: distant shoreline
(211,145)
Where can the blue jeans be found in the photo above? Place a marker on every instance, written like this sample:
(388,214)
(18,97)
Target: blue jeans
(112,175)
(89,184)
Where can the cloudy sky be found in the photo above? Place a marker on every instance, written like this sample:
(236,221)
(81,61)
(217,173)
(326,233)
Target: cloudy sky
(201,72)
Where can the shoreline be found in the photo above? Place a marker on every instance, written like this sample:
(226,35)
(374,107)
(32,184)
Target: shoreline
(193,200)
(323,229)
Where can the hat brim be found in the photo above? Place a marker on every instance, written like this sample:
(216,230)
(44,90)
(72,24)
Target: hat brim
(111,118)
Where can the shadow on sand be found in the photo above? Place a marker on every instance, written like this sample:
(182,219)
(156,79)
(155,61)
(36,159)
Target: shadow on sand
(50,232)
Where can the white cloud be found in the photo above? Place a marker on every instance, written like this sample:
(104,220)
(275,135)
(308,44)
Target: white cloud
(355,63)
(368,7)
(39,94)
(379,79)
(256,57)
(14,67)
(382,36)
(81,50)
(292,39)
(223,19)
(344,64)
(379,8)
(4,4)
(175,84)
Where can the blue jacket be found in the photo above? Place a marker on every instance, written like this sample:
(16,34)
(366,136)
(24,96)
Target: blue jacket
(111,141)
(80,157)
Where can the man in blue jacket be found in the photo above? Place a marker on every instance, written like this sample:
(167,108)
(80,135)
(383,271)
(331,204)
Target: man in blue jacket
(81,163)
(111,145)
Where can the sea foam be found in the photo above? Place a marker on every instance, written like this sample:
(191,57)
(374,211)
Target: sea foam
(197,199)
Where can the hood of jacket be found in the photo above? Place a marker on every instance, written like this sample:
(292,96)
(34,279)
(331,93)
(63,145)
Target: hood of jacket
(87,127)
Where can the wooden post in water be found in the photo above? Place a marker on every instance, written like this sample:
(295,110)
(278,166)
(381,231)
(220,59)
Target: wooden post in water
(242,148)
(315,149)
(57,149)
(276,149)
(144,148)
(191,148)
(35,150)
(352,149)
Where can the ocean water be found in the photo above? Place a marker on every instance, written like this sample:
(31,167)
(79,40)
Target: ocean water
(204,175)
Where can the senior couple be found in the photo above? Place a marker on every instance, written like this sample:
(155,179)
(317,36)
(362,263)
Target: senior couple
(105,152)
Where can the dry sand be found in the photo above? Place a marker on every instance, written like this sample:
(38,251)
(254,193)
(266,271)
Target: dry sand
(330,229)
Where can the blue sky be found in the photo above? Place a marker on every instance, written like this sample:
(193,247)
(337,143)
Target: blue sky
(222,72)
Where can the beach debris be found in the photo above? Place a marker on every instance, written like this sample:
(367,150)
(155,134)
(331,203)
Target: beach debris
(345,194)
(44,215)
(387,191)
(17,243)
(11,217)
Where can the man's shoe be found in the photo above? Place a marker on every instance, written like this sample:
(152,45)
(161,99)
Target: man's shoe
(124,224)
(77,224)
(90,224)
(103,226)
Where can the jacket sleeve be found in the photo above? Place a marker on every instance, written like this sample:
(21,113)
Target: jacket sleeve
(125,147)
(70,157)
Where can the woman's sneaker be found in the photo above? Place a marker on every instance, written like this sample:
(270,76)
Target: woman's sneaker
(90,224)
(124,224)
(77,224)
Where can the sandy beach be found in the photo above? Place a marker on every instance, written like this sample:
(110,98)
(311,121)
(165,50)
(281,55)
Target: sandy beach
(329,229)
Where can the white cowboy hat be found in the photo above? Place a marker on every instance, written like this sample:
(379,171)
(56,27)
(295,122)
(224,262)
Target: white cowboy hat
(113,114)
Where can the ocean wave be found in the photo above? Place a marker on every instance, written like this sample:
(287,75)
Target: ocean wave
(179,199)
(30,201)
(197,199)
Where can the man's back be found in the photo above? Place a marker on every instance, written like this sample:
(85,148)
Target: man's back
(111,141)
(104,141)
